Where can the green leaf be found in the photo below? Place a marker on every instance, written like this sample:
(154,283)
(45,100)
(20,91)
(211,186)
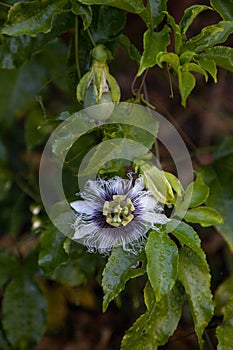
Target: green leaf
(118,270)
(170,58)
(185,235)
(204,216)
(32,17)
(155,181)
(186,84)
(155,12)
(70,274)
(177,32)
(194,275)
(209,36)
(153,328)
(224,8)
(218,177)
(162,263)
(175,183)
(18,89)
(223,294)
(34,133)
(221,55)
(15,51)
(224,331)
(52,253)
(8,268)
(131,49)
(197,192)
(208,65)
(3,342)
(84,11)
(23,313)
(134,6)
(153,44)
(190,14)
(193,67)
(111,21)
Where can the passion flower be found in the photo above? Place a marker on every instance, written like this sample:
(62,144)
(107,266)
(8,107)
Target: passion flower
(116,212)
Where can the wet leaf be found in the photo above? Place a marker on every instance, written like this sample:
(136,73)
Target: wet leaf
(204,216)
(134,6)
(32,17)
(52,253)
(186,235)
(195,277)
(121,266)
(23,313)
(162,263)
(153,328)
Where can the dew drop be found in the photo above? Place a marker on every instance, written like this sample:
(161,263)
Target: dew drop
(117,261)
(162,251)
(156,245)
(162,257)
(164,274)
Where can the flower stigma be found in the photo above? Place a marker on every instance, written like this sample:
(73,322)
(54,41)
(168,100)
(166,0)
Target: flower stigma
(118,212)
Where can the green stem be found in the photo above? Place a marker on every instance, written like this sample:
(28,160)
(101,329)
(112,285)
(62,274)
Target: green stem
(170,83)
(91,37)
(76,48)
(3,4)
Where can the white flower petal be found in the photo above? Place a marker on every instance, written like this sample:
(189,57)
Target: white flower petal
(138,187)
(83,230)
(81,207)
(155,218)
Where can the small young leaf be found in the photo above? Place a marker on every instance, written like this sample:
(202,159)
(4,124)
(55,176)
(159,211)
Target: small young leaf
(118,270)
(23,313)
(153,44)
(186,235)
(52,253)
(84,11)
(190,14)
(155,181)
(162,263)
(194,275)
(224,8)
(210,36)
(208,65)
(177,32)
(221,55)
(224,331)
(197,192)
(153,328)
(170,58)
(204,216)
(193,67)
(186,84)
(32,17)
(175,183)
